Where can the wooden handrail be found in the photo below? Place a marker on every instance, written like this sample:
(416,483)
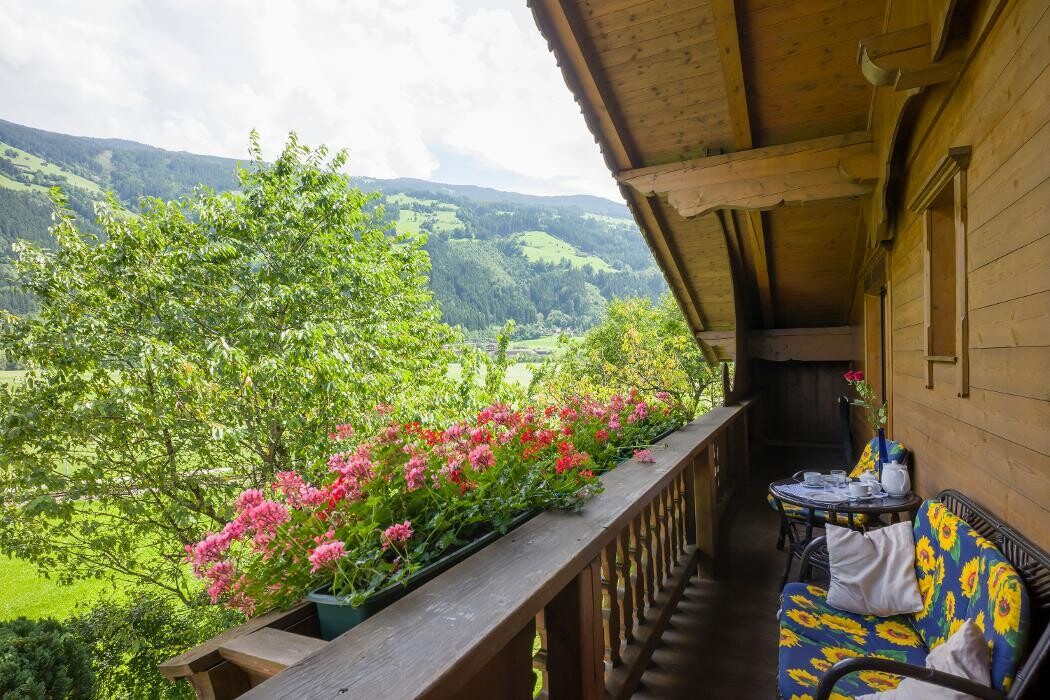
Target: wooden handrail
(598,587)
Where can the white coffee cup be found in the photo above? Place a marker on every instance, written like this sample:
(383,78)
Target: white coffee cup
(860,489)
(813,478)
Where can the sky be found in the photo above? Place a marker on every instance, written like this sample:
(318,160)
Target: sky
(459,91)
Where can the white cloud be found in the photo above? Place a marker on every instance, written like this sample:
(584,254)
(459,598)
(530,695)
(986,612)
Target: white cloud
(397,82)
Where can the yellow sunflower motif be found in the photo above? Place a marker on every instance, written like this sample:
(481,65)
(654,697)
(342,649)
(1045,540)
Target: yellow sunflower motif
(979,621)
(802,601)
(979,540)
(936,514)
(836,654)
(1007,612)
(879,680)
(788,638)
(954,627)
(947,531)
(804,618)
(999,573)
(949,606)
(821,665)
(807,696)
(970,573)
(802,677)
(844,624)
(924,554)
(926,589)
(817,591)
(939,570)
(898,633)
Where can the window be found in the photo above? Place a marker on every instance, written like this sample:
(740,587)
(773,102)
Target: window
(941,203)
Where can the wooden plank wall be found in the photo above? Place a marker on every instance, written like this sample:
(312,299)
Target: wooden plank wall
(995,444)
(799,400)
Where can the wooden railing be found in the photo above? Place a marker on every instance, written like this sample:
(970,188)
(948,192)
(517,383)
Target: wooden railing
(582,598)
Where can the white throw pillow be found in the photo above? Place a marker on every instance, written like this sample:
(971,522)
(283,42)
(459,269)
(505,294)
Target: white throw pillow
(873,573)
(965,654)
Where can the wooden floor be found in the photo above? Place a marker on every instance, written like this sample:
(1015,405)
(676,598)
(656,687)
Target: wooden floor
(722,640)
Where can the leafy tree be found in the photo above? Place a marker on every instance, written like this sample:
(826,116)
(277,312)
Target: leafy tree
(196,350)
(638,344)
(129,638)
(40,659)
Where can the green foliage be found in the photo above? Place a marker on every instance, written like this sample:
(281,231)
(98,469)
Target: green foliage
(196,350)
(128,640)
(40,659)
(638,345)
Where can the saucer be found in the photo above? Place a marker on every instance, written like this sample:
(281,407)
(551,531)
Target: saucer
(811,486)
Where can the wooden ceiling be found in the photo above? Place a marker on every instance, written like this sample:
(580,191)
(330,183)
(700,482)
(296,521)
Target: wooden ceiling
(666,81)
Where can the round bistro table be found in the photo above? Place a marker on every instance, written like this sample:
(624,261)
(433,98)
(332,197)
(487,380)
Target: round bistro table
(893,506)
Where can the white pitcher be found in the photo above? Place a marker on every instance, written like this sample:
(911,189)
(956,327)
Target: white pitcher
(895,479)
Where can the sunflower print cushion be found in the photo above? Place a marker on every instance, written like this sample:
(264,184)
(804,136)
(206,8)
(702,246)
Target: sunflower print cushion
(868,458)
(963,576)
(814,636)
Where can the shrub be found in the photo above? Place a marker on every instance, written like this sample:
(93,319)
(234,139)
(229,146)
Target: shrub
(40,659)
(128,639)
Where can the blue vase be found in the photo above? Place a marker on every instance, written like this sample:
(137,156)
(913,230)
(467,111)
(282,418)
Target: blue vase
(884,455)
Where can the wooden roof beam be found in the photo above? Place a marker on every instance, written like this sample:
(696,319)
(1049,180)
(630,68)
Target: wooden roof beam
(831,167)
(728,36)
(904,59)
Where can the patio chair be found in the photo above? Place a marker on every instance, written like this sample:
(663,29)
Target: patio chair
(969,565)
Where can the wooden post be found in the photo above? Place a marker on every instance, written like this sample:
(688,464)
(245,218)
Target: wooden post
(705,509)
(509,674)
(575,648)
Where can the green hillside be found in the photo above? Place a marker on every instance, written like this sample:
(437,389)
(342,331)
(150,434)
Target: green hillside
(548,263)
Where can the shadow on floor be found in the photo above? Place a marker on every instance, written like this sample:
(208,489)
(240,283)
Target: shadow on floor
(722,639)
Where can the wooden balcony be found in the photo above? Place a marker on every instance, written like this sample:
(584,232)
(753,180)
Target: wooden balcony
(615,600)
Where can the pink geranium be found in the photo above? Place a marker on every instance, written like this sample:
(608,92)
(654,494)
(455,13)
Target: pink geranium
(644,456)
(396,534)
(324,554)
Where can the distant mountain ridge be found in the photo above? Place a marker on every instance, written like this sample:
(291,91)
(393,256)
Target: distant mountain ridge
(545,262)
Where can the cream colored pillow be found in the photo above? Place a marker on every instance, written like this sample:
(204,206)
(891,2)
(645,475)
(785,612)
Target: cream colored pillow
(873,573)
(965,654)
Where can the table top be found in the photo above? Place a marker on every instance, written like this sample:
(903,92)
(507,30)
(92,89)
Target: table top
(874,506)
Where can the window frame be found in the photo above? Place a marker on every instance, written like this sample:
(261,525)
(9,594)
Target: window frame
(950,172)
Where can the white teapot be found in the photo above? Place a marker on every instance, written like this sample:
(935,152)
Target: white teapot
(895,479)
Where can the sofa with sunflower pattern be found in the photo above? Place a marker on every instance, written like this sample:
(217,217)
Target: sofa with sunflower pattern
(962,574)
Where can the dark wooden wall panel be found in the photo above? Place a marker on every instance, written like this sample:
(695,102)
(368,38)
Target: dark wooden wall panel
(799,400)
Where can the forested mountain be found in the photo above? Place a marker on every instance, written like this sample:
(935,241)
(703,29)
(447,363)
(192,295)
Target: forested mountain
(549,263)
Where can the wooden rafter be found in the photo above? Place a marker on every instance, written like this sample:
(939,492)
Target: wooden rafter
(728,36)
(904,58)
(578,60)
(831,167)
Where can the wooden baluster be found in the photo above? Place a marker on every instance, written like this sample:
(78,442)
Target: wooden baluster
(539,659)
(683,515)
(689,511)
(649,545)
(610,577)
(672,519)
(638,559)
(575,648)
(627,605)
(658,544)
(665,515)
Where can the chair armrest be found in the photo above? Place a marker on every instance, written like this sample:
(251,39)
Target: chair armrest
(926,675)
(803,568)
